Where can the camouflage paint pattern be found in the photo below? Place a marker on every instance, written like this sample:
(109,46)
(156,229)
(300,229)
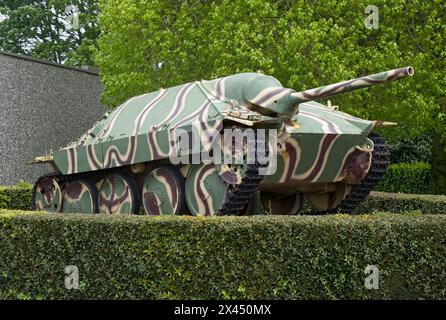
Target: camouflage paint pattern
(115,195)
(350,85)
(161,192)
(319,148)
(78,197)
(140,130)
(205,190)
(321,140)
(48,195)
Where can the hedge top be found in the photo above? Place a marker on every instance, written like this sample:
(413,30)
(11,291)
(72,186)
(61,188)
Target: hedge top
(259,257)
(245,221)
(406,196)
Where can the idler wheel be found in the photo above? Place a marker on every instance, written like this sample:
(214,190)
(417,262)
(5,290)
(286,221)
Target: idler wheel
(118,193)
(164,192)
(276,203)
(205,190)
(79,197)
(47,195)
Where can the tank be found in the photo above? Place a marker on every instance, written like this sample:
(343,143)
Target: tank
(213,147)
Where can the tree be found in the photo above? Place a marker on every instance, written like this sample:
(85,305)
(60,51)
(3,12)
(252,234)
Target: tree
(63,31)
(147,44)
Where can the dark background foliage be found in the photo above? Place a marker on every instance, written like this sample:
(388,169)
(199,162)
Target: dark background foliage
(411,150)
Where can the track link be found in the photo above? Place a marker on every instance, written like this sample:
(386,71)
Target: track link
(239,196)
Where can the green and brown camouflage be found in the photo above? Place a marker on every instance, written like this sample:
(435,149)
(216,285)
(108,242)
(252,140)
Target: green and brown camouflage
(115,195)
(321,147)
(350,85)
(78,197)
(161,192)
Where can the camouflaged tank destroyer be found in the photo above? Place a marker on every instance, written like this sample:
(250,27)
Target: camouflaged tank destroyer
(126,162)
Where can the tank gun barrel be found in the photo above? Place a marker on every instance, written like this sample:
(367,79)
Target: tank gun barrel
(350,85)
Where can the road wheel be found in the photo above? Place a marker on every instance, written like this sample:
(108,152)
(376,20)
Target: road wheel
(47,195)
(205,190)
(164,192)
(118,193)
(79,197)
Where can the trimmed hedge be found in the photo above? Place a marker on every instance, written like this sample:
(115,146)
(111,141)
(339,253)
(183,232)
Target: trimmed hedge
(407,178)
(400,202)
(16,197)
(260,257)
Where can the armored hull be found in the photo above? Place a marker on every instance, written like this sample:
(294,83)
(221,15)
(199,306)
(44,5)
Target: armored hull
(147,154)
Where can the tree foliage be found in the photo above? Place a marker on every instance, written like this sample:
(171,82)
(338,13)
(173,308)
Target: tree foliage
(47,29)
(304,44)
(147,44)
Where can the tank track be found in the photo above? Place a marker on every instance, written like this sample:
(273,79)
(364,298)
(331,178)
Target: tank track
(238,197)
(358,193)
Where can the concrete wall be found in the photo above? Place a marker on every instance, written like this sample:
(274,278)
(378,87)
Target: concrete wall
(42,106)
